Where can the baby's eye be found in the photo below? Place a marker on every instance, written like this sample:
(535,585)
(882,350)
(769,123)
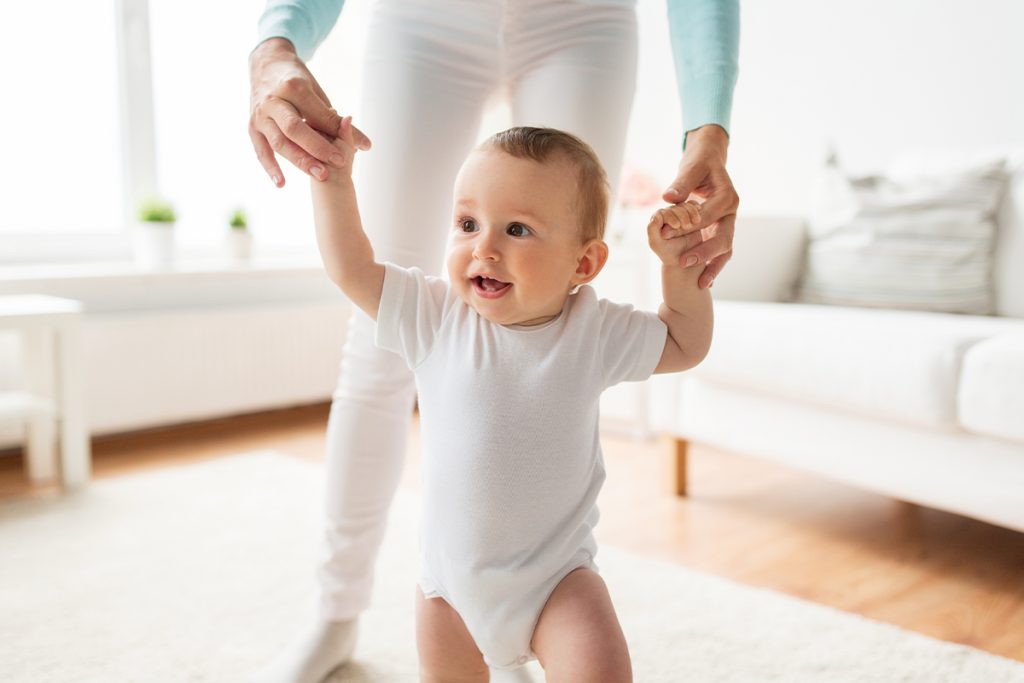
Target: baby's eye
(517,230)
(467,225)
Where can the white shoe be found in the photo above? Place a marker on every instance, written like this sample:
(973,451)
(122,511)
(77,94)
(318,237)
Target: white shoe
(312,655)
(520,675)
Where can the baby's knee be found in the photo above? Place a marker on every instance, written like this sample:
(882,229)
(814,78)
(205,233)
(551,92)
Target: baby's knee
(578,638)
(447,652)
(594,666)
(435,676)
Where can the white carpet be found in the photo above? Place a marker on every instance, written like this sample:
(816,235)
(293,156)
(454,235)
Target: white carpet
(199,573)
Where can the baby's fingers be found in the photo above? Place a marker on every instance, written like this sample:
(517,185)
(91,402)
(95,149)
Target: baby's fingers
(681,219)
(693,212)
(345,131)
(668,223)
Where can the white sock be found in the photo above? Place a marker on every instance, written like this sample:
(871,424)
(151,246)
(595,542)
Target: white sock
(313,654)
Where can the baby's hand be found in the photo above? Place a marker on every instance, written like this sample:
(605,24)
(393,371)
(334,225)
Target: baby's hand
(673,230)
(346,144)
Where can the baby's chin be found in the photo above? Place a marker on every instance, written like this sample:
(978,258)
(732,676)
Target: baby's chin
(482,311)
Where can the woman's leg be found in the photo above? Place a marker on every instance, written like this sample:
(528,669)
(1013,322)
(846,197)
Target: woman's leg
(578,638)
(422,107)
(427,76)
(572,66)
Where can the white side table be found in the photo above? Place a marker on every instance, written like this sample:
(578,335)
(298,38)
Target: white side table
(50,329)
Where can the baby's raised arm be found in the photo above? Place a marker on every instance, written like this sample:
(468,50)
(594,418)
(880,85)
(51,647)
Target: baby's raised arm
(686,308)
(344,247)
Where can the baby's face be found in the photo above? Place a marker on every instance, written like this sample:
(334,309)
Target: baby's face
(515,240)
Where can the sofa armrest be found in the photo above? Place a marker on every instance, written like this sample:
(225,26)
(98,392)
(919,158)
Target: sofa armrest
(768,253)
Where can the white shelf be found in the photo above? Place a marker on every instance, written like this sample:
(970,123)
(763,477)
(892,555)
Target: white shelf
(20,406)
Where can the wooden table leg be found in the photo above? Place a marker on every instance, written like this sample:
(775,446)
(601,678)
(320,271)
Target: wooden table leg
(676,451)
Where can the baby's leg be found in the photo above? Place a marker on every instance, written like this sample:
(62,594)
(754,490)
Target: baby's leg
(447,651)
(578,638)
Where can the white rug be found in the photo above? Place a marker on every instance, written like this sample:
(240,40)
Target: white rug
(200,573)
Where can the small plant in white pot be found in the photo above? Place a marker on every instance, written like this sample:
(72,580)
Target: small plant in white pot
(239,238)
(154,234)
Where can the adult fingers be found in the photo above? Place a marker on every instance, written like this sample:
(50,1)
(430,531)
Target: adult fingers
(277,117)
(722,201)
(265,154)
(712,183)
(305,96)
(284,147)
(714,246)
(689,178)
(331,122)
(712,269)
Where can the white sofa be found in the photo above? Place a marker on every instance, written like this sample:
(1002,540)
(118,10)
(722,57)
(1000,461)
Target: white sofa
(923,407)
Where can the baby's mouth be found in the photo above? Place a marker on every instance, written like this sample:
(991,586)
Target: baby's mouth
(489,288)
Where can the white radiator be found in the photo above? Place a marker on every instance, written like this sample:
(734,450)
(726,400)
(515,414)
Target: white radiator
(147,369)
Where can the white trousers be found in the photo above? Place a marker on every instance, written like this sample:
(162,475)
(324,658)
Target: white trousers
(431,68)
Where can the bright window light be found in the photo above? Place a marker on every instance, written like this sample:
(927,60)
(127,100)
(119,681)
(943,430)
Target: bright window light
(61,170)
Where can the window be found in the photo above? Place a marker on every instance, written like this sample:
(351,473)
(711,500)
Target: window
(71,162)
(60,180)
(205,161)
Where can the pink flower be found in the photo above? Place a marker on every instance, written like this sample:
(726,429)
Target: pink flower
(638,188)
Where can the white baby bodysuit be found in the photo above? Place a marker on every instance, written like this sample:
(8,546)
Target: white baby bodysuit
(512,463)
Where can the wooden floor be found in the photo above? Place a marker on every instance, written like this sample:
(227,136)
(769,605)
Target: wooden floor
(939,574)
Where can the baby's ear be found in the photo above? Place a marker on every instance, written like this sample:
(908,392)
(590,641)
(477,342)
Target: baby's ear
(590,262)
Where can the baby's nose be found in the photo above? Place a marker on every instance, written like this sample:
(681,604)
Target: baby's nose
(486,249)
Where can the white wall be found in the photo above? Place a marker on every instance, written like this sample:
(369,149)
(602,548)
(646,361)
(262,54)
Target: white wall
(873,77)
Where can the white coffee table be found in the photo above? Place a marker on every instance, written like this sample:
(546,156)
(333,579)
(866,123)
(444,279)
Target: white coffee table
(53,395)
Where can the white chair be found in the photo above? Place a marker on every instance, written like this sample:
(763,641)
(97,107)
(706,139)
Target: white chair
(51,406)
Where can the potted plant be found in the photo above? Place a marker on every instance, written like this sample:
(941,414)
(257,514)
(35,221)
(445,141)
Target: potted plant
(239,238)
(154,234)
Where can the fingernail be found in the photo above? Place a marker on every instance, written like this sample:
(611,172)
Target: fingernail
(691,261)
(318,171)
(711,282)
(276,179)
(337,160)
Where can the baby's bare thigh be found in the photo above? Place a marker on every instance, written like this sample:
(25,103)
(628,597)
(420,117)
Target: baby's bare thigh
(578,638)
(447,652)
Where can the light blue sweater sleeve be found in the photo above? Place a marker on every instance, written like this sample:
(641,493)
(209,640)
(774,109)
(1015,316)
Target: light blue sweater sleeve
(304,22)
(704,34)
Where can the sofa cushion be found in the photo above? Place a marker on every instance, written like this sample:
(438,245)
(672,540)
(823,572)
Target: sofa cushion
(1008,277)
(897,365)
(991,396)
(920,242)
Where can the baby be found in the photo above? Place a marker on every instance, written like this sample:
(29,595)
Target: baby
(511,355)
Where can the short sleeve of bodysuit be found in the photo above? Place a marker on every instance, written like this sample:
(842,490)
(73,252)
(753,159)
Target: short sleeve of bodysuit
(632,342)
(412,307)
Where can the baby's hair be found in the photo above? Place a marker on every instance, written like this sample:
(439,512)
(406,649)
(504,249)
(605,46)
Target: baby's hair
(543,144)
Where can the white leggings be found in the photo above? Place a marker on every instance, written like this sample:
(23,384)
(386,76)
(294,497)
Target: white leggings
(431,67)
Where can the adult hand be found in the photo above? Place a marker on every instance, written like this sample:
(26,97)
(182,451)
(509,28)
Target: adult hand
(702,175)
(290,114)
